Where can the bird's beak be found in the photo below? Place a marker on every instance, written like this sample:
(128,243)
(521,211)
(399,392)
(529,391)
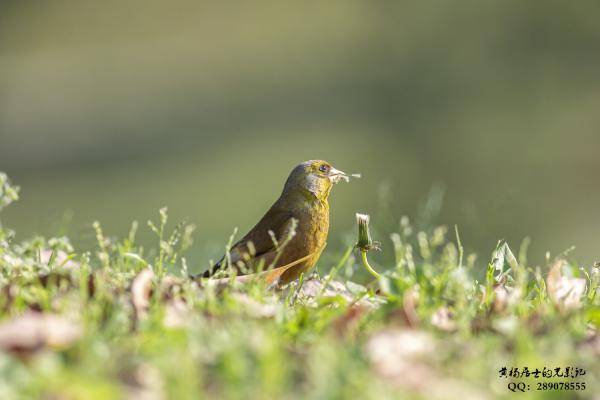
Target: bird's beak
(335,175)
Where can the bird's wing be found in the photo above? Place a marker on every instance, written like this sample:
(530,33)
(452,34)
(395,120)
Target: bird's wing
(258,243)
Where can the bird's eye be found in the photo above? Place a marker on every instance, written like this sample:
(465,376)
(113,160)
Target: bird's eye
(323,168)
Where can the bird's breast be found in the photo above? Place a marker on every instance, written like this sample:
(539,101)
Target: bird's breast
(310,238)
(313,226)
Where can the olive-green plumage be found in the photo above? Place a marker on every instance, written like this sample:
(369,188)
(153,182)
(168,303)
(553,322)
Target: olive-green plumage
(273,242)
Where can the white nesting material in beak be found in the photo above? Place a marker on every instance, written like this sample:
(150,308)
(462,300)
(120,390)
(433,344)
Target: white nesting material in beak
(335,175)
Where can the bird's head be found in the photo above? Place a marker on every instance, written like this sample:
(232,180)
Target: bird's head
(314,177)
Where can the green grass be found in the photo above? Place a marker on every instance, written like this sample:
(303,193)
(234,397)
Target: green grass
(121,321)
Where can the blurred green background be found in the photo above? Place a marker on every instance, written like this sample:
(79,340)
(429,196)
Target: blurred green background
(110,110)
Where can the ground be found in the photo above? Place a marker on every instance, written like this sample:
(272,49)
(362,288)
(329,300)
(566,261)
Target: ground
(124,322)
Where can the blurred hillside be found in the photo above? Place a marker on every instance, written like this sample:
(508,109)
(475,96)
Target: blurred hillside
(113,109)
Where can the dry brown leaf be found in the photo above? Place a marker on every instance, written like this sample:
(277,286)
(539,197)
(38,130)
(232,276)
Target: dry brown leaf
(402,357)
(254,308)
(348,324)
(406,358)
(504,297)
(409,305)
(33,331)
(61,259)
(141,290)
(565,292)
(314,287)
(407,314)
(169,287)
(177,314)
(311,288)
(592,341)
(144,382)
(443,319)
(177,311)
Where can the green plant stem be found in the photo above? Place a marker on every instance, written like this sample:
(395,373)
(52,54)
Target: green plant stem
(367,265)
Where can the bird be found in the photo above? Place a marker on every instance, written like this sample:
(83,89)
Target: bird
(292,234)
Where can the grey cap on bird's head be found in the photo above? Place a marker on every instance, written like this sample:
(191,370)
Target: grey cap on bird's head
(316,176)
(325,168)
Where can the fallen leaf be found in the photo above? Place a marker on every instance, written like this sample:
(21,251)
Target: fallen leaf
(406,358)
(409,305)
(565,292)
(407,314)
(141,290)
(144,382)
(506,325)
(314,288)
(59,259)
(536,323)
(401,357)
(177,314)
(254,308)
(443,319)
(505,297)
(348,324)
(169,287)
(33,331)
